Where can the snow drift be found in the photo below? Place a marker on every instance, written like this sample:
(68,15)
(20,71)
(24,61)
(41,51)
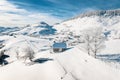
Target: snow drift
(73,64)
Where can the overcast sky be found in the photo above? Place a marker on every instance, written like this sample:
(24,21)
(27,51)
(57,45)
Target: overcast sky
(23,12)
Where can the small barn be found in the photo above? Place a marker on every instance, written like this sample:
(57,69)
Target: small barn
(59,47)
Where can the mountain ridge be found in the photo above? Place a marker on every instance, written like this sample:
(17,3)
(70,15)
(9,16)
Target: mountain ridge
(100,13)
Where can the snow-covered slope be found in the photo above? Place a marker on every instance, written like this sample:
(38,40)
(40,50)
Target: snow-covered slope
(14,44)
(109,20)
(112,47)
(84,67)
(70,65)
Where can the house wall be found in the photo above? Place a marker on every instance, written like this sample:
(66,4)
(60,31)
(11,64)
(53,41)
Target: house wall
(57,49)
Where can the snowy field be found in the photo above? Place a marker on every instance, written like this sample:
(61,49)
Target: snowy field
(73,64)
(69,65)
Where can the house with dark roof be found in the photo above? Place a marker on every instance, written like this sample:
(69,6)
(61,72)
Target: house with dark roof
(59,47)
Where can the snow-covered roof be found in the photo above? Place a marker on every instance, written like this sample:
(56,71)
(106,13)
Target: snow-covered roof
(60,45)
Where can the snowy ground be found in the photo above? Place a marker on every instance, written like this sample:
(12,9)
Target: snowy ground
(65,66)
(73,64)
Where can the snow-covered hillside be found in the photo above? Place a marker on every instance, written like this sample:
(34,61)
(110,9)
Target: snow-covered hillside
(64,66)
(37,29)
(109,20)
(19,42)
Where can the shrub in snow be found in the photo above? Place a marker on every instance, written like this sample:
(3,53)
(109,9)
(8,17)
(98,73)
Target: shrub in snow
(25,53)
(29,53)
(3,57)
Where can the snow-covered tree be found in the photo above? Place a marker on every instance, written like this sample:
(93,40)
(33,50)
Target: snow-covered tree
(29,53)
(98,40)
(94,40)
(88,38)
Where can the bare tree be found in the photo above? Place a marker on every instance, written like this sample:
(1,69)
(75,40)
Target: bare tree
(98,40)
(94,40)
(87,38)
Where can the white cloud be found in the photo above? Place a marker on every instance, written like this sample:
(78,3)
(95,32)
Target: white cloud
(11,15)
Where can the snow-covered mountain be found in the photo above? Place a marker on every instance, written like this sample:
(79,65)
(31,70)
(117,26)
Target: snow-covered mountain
(7,30)
(41,28)
(108,19)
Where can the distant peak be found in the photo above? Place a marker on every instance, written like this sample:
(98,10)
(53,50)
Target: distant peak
(43,23)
